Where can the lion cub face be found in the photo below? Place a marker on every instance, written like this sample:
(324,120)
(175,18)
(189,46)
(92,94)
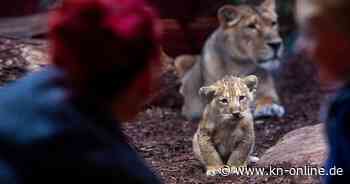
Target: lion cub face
(252,33)
(230,98)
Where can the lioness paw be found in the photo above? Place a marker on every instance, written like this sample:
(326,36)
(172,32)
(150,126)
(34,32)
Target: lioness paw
(253,159)
(269,110)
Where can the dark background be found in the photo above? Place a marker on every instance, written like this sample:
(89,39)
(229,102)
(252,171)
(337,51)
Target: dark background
(187,23)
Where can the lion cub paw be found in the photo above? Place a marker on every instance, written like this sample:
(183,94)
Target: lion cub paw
(214,170)
(253,159)
(269,110)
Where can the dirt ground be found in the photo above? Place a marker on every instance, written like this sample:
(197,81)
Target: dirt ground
(164,138)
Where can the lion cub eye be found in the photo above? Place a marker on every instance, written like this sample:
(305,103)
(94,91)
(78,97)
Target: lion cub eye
(224,101)
(241,98)
(274,23)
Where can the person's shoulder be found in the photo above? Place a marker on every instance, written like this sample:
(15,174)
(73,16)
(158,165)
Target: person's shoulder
(340,103)
(342,97)
(27,107)
(30,86)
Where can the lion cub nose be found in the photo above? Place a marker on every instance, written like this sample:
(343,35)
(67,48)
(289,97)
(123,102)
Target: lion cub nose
(236,115)
(275,46)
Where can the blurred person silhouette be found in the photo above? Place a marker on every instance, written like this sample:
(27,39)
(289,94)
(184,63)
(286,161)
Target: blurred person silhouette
(325,39)
(60,125)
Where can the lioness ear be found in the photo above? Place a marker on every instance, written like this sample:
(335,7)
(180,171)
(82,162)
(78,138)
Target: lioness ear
(207,92)
(269,5)
(228,16)
(252,82)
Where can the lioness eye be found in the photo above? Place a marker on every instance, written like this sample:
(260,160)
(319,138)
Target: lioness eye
(252,26)
(241,98)
(224,101)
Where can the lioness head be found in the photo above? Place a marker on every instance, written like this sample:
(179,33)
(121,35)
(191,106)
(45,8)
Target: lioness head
(231,97)
(252,33)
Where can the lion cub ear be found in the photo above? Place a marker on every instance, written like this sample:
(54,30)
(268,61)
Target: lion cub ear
(252,82)
(228,16)
(269,5)
(207,92)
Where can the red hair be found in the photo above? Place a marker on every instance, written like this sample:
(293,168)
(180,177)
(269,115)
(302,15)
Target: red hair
(98,40)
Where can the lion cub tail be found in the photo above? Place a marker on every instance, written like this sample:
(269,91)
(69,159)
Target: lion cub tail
(184,63)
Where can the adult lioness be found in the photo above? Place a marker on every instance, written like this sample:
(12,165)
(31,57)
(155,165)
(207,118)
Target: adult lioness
(246,42)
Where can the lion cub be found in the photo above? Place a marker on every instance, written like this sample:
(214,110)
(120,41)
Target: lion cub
(225,135)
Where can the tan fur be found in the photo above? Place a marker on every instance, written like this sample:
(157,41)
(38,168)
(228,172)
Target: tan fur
(184,63)
(225,135)
(166,60)
(242,45)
